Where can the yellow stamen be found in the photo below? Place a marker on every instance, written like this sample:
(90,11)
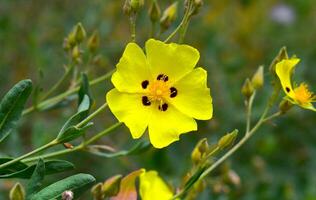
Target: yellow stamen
(158,90)
(302,95)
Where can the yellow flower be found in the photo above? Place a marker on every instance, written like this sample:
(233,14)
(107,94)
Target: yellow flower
(160,90)
(152,187)
(300,94)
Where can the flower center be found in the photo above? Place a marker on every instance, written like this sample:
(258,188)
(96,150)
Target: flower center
(158,90)
(303,95)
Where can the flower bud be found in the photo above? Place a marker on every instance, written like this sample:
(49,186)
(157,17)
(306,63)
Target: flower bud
(136,5)
(258,78)
(127,7)
(94,42)
(79,33)
(227,139)
(197,5)
(169,15)
(97,192)
(111,187)
(199,151)
(17,192)
(76,54)
(285,106)
(281,55)
(67,195)
(154,11)
(247,89)
(71,39)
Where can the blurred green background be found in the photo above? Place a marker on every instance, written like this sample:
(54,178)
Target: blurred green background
(234,37)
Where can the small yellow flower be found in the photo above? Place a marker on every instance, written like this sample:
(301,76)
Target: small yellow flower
(161,91)
(300,94)
(152,187)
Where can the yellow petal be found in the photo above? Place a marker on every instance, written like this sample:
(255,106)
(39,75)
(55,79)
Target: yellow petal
(284,70)
(166,126)
(132,70)
(308,106)
(152,187)
(128,108)
(173,60)
(193,97)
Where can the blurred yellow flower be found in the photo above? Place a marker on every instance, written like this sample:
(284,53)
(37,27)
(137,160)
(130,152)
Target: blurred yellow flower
(160,90)
(299,95)
(152,187)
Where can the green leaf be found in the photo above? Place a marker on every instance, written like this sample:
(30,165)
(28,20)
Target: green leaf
(77,184)
(138,148)
(69,131)
(84,89)
(18,166)
(51,167)
(11,106)
(36,180)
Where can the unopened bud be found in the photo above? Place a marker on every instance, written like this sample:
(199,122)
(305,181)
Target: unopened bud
(197,5)
(285,106)
(169,15)
(71,39)
(66,45)
(67,195)
(247,89)
(17,192)
(80,33)
(97,192)
(76,54)
(111,187)
(227,139)
(281,55)
(258,78)
(200,149)
(154,11)
(68,145)
(94,42)
(127,7)
(136,5)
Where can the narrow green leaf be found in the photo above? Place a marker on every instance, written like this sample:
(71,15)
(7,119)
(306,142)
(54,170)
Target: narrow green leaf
(77,184)
(36,180)
(138,148)
(72,133)
(51,167)
(18,166)
(84,89)
(69,131)
(11,106)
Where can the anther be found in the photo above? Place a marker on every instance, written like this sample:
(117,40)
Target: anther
(163,77)
(287,89)
(145,101)
(145,84)
(163,107)
(173,92)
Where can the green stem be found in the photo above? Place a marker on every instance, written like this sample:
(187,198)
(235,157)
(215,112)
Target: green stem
(132,20)
(234,149)
(58,84)
(92,115)
(248,111)
(77,148)
(62,96)
(182,23)
(46,146)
